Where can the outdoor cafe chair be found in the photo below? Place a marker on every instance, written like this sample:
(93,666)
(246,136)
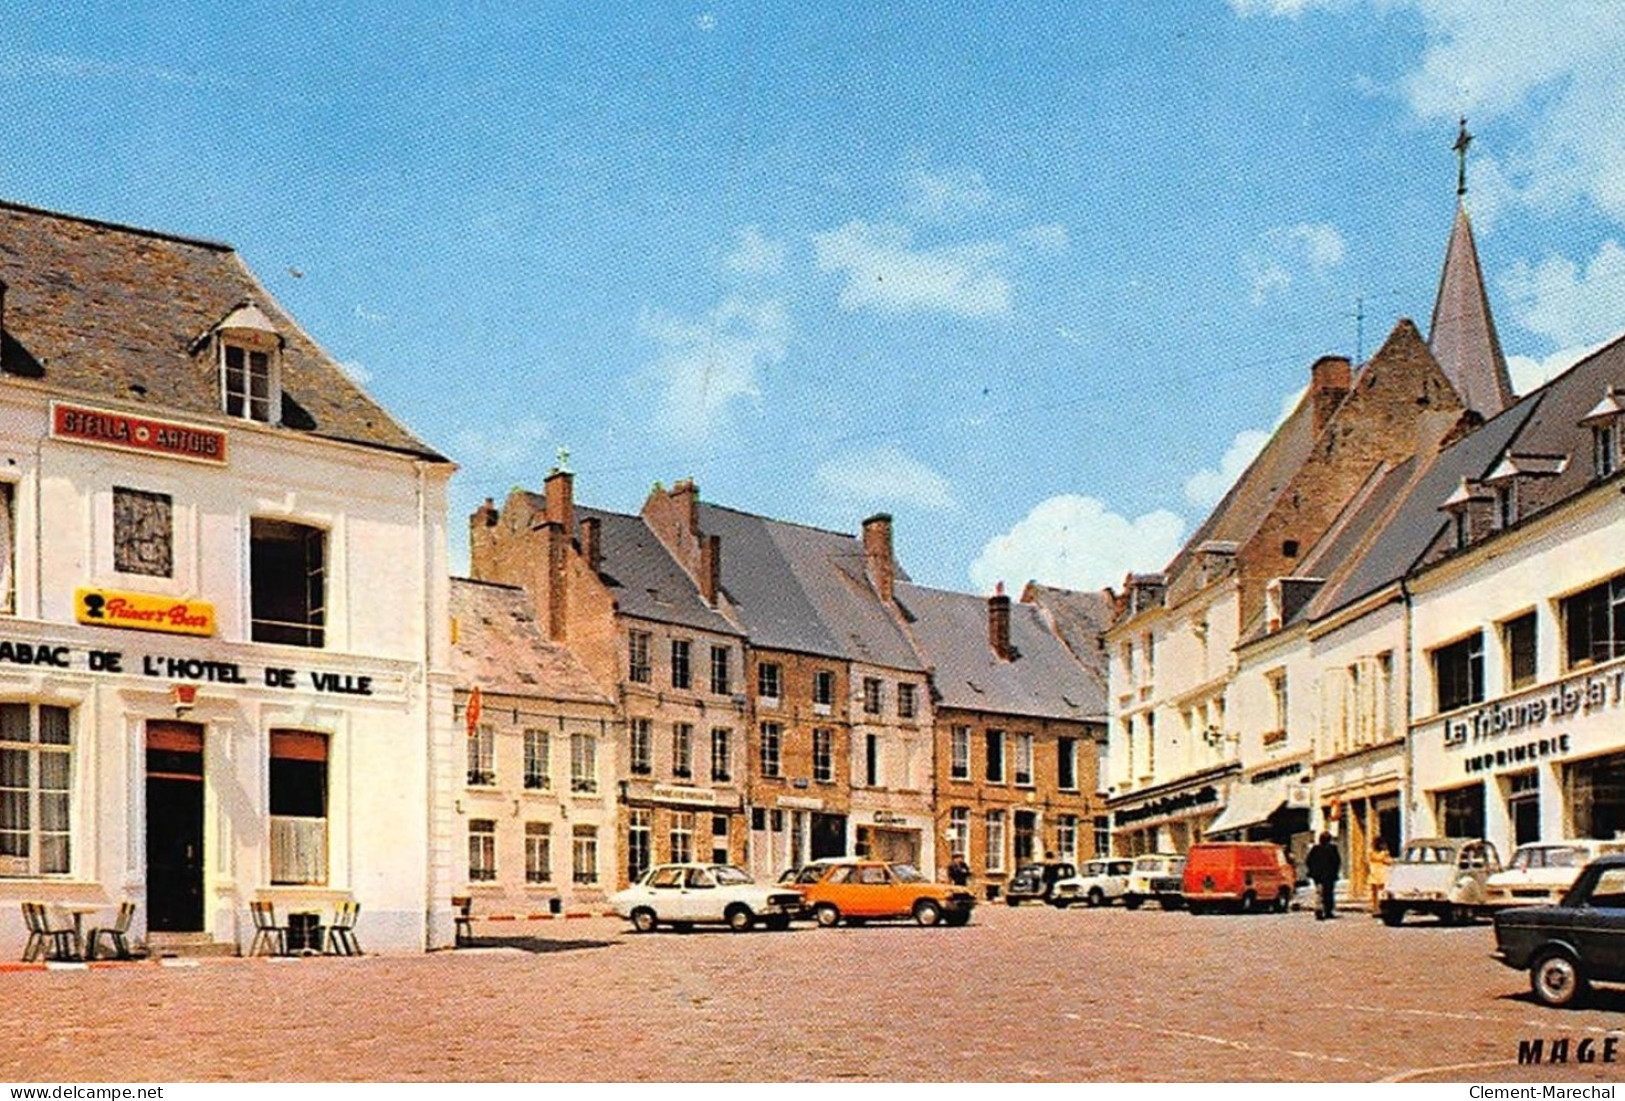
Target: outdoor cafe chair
(341,933)
(463,907)
(116,933)
(44,939)
(270,936)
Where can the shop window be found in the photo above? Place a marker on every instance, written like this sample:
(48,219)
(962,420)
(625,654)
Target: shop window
(482,850)
(995,840)
(1596,797)
(1458,673)
(682,836)
(721,755)
(772,733)
(583,763)
(584,855)
(143,532)
(959,753)
(538,767)
(824,755)
(1103,834)
(1066,764)
(1518,637)
(681,675)
(298,807)
(1594,623)
(287,579)
(721,671)
(482,756)
(1024,759)
(642,747)
(639,835)
(637,657)
(995,756)
(871,696)
(35,773)
(682,750)
(769,680)
(538,852)
(1461,811)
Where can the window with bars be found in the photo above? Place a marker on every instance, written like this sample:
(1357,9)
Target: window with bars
(35,793)
(143,532)
(288,583)
(482,850)
(538,852)
(538,767)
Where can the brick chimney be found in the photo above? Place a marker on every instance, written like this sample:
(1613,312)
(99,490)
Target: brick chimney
(560,490)
(1329,383)
(998,622)
(686,496)
(878,562)
(710,578)
(592,542)
(482,550)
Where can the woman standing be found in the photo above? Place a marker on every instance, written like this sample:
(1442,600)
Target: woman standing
(1377,875)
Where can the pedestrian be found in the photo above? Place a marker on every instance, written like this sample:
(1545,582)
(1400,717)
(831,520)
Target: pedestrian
(1379,862)
(958,871)
(1324,863)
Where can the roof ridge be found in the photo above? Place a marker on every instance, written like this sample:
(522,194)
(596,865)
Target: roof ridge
(121,227)
(777,520)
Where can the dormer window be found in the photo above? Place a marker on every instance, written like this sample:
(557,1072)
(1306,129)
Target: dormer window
(1513,471)
(250,353)
(1604,422)
(1466,507)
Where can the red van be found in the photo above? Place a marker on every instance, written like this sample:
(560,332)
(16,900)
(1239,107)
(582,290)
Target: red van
(1251,875)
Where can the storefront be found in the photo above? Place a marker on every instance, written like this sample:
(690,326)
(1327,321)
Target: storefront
(1169,817)
(890,835)
(1359,797)
(791,831)
(1268,804)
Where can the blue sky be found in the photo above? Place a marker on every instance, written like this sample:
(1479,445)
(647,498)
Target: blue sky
(1035,280)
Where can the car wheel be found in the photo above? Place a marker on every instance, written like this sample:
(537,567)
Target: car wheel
(1197,908)
(826,915)
(1097,897)
(778,923)
(1249,902)
(1283,901)
(740,919)
(1012,902)
(643,920)
(1556,979)
(1393,915)
(1132,902)
(958,917)
(927,912)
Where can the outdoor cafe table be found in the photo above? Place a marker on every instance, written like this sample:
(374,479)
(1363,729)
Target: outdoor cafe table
(78,910)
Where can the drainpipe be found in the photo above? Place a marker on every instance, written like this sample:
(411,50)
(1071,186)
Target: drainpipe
(1408,784)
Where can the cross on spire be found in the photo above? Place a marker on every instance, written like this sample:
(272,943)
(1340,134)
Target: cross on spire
(1463,140)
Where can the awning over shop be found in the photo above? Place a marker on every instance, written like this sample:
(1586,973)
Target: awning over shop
(1250,805)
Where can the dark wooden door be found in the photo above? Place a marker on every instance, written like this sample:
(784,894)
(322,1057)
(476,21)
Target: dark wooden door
(174,827)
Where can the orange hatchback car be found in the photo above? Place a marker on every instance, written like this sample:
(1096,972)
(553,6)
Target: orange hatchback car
(858,890)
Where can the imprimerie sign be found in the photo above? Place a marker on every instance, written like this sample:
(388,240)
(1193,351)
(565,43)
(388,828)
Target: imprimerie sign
(127,432)
(159,666)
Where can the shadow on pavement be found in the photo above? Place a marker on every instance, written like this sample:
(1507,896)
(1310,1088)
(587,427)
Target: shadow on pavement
(535,945)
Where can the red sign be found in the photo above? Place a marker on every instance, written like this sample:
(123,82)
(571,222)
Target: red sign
(106,428)
(471,713)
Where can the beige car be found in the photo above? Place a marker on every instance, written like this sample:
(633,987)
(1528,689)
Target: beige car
(1442,876)
(1540,873)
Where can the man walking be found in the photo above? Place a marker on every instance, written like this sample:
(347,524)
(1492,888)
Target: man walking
(1324,863)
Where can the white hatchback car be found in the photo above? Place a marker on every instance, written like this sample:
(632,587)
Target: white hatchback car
(682,895)
(1097,883)
(1540,873)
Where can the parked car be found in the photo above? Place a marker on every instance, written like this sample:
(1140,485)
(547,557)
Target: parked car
(856,891)
(1568,946)
(681,895)
(1443,876)
(1156,875)
(1033,882)
(1247,875)
(1541,873)
(1097,883)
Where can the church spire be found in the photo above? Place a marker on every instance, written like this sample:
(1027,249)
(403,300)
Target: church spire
(1462,334)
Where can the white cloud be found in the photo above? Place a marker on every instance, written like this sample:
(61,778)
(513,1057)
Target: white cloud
(1207,487)
(1529,373)
(945,196)
(1270,7)
(1075,542)
(1286,251)
(371,317)
(884,272)
(509,445)
(885,476)
(706,367)
(1573,307)
(1051,237)
(755,254)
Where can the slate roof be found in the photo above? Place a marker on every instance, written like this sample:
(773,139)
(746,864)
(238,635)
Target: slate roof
(1081,620)
(804,589)
(501,647)
(1462,333)
(642,576)
(120,314)
(1044,680)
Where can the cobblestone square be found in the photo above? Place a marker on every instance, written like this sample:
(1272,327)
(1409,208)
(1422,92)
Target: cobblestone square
(1028,994)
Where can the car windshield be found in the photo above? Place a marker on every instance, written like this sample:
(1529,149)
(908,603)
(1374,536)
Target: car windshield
(729,876)
(1118,867)
(1148,864)
(1429,854)
(906,873)
(1549,856)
